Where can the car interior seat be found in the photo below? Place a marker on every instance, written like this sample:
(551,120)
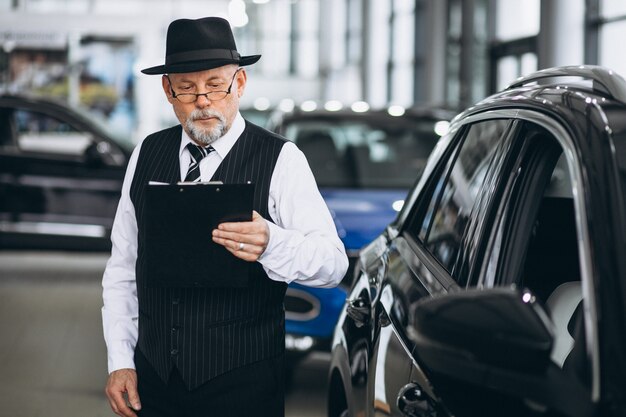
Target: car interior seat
(324,158)
(552,256)
(577,362)
(357,159)
(552,273)
(561,306)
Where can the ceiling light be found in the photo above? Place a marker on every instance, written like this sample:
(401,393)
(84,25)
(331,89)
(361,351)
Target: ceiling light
(442,127)
(262,103)
(396,110)
(333,105)
(308,105)
(360,107)
(286,105)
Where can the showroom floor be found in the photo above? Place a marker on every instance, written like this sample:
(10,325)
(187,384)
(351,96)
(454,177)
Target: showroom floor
(52,354)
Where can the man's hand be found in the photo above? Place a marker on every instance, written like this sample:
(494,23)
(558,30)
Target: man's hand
(123,381)
(245,240)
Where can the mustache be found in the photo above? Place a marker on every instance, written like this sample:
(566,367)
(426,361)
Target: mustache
(205,135)
(197,114)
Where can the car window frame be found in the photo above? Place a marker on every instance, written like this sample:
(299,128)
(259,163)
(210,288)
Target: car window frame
(552,124)
(519,186)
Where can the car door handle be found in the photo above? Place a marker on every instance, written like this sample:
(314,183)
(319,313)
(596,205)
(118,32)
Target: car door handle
(359,310)
(413,402)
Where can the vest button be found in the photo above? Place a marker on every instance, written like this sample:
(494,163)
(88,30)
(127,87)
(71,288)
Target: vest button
(175,301)
(174,352)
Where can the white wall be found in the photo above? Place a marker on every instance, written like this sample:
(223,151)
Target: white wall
(145,22)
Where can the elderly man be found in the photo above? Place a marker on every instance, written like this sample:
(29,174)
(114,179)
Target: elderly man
(214,351)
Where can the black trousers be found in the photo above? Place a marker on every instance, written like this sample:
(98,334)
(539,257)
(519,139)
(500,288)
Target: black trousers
(252,390)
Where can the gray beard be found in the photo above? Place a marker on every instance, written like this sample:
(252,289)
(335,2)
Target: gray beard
(205,136)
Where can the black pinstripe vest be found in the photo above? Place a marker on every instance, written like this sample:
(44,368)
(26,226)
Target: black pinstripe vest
(207,332)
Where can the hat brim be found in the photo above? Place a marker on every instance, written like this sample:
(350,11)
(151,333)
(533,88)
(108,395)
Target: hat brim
(194,66)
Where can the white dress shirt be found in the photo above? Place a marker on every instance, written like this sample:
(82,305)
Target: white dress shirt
(303,243)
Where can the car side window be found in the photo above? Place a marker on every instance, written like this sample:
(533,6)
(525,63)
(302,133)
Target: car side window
(456,192)
(536,245)
(43,133)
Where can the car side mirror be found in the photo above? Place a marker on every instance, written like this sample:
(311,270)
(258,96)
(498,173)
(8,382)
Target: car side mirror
(502,327)
(488,353)
(100,153)
(93,157)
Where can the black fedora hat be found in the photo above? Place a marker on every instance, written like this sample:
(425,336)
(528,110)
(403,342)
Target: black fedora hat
(198,45)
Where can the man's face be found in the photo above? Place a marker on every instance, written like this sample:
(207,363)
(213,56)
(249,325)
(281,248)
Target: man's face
(206,120)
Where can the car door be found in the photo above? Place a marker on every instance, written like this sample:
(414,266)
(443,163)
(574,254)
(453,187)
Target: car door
(540,243)
(60,179)
(422,262)
(534,240)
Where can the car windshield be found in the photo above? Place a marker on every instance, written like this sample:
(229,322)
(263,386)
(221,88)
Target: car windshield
(368,153)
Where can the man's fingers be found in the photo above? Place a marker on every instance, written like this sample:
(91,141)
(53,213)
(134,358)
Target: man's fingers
(246,256)
(240,227)
(255,232)
(234,247)
(245,240)
(257,225)
(233,239)
(118,404)
(237,227)
(133,397)
(123,381)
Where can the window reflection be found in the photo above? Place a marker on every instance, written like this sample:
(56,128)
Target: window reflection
(450,217)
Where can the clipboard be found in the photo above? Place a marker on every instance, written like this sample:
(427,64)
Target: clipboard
(179,221)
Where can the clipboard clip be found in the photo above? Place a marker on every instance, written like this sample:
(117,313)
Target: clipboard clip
(199,183)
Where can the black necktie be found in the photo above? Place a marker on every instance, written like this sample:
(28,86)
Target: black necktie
(197,153)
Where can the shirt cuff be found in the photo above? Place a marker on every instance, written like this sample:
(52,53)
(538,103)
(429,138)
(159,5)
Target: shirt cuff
(121,357)
(273,257)
(274,238)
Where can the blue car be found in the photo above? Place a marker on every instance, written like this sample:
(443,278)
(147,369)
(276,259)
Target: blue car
(364,164)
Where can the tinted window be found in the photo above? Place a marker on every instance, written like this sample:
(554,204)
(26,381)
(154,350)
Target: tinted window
(451,205)
(370,153)
(38,132)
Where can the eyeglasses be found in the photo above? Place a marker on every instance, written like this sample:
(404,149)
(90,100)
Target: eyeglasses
(209,95)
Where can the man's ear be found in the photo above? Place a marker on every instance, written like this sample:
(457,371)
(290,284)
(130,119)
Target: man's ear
(242,79)
(167,88)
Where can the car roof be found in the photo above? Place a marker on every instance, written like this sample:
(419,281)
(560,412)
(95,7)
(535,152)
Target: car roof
(434,114)
(566,93)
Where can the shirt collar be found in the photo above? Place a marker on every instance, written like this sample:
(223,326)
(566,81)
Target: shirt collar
(224,144)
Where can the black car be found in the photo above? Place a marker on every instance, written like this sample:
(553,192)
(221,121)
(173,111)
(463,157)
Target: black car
(61,175)
(359,160)
(500,288)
